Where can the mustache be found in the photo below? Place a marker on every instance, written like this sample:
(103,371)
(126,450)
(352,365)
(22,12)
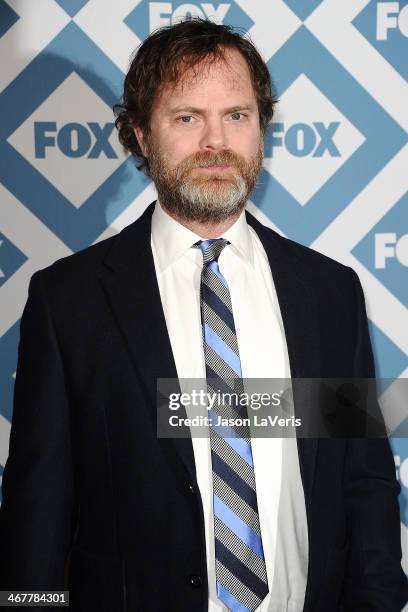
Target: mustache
(205,159)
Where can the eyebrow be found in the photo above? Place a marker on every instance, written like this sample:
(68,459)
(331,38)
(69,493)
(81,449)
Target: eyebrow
(200,111)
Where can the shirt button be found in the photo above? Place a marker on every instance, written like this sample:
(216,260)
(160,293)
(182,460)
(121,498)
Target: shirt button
(195,580)
(191,489)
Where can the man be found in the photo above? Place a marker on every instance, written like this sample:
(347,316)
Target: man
(195,288)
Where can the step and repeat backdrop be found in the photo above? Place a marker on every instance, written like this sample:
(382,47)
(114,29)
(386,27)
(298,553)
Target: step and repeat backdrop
(335,173)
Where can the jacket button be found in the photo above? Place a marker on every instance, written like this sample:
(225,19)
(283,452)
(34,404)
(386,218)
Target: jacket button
(195,580)
(191,489)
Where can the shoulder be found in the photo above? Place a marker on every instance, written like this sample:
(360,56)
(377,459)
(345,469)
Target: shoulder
(83,266)
(77,267)
(328,282)
(298,259)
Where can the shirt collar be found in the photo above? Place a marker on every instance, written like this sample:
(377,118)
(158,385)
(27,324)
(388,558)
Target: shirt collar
(172,239)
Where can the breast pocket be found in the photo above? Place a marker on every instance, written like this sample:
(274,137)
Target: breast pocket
(96,583)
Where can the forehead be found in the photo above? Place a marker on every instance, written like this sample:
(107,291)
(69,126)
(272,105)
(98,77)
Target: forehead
(229,74)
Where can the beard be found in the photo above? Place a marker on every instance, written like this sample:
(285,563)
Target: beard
(210,196)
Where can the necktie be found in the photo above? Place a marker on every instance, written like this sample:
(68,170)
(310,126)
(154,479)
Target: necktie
(241,578)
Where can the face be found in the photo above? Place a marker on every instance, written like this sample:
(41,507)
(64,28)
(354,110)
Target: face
(205,147)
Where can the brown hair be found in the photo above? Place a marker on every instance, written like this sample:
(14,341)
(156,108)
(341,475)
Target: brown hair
(169,52)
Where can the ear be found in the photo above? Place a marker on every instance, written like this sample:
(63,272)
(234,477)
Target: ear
(140,139)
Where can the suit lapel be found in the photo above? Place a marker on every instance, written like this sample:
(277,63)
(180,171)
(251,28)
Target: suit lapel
(130,284)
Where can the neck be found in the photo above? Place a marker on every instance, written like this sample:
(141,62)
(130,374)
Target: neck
(205,230)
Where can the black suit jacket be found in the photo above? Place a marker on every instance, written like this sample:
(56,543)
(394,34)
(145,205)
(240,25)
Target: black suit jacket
(95,502)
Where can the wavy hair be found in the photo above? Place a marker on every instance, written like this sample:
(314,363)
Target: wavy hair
(165,56)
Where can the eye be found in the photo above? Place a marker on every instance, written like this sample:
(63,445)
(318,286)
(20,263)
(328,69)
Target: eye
(185,118)
(237,116)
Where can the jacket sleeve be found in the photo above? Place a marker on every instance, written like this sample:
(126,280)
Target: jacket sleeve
(36,515)
(374,579)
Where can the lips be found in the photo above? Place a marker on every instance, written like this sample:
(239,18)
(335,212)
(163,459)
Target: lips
(217,168)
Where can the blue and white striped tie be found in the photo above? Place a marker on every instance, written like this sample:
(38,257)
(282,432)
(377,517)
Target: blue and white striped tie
(239,558)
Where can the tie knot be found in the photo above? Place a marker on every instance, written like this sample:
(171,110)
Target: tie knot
(211,249)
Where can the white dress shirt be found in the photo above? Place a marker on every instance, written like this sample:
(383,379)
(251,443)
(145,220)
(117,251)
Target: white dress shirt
(263,354)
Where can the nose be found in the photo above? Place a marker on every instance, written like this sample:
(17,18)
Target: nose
(214,136)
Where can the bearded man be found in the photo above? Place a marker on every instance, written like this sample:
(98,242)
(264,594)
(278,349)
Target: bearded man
(195,288)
